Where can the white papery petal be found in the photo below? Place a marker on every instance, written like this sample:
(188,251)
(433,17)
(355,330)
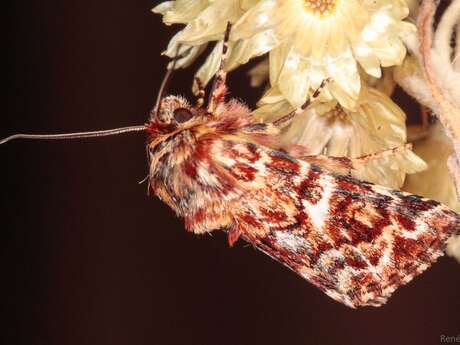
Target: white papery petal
(453,247)
(368,60)
(210,67)
(244,50)
(163,8)
(210,24)
(188,53)
(180,11)
(294,82)
(435,182)
(344,72)
(367,32)
(257,19)
(304,45)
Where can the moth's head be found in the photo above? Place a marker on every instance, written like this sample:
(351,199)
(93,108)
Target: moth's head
(175,114)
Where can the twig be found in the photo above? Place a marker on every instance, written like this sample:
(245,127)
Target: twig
(448,115)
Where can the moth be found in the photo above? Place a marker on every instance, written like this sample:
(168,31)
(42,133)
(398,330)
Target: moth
(220,169)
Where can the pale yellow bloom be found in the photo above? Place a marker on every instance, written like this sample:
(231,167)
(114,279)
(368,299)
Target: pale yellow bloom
(206,22)
(413,7)
(375,125)
(453,247)
(435,182)
(307,40)
(259,75)
(385,83)
(318,39)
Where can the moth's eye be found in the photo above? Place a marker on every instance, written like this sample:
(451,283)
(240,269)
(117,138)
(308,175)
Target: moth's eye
(182,115)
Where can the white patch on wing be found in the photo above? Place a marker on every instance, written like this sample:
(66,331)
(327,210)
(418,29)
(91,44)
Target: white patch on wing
(304,169)
(206,177)
(260,164)
(329,257)
(290,241)
(216,152)
(319,212)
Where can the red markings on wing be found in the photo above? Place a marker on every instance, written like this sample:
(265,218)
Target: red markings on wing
(202,149)
(319,246)
(248,152)
(407,249)
(243,172)
(303,222)
(405,222)
(352,185)
(414,205)
(254,153)
(190,168)
(196,218)
(374,257)
(272,216)
(250,220)
(310,188)
(282,163)
(354,259)
(348,213)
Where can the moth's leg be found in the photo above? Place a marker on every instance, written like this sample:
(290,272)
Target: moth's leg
(233,234)
(288,117)
(201,93)
(381,154)
(218,88)
(344,165)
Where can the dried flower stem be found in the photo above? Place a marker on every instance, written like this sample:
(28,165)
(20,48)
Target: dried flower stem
(457,50)
(448,114)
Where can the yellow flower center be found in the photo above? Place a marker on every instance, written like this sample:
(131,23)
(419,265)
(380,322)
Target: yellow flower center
(320,8)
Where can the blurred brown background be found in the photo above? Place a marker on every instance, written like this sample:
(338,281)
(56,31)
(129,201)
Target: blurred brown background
(90,259)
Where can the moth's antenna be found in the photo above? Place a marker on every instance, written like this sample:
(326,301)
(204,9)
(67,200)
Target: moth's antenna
(75,135)
(103,133)
(165,81)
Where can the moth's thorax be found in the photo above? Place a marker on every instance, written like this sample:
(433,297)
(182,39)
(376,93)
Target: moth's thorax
(186,148)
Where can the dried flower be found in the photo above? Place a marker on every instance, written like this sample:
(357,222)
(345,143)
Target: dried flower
(435,182)
(308,40)
(205,22)
(453,247)
(375,125)
(320,39)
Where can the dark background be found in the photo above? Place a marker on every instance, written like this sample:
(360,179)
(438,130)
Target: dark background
(90,259)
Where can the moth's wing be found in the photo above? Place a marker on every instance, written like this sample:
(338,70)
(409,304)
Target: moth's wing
(356,241)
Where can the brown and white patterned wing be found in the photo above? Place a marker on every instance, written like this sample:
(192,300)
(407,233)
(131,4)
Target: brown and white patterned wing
(356,241)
